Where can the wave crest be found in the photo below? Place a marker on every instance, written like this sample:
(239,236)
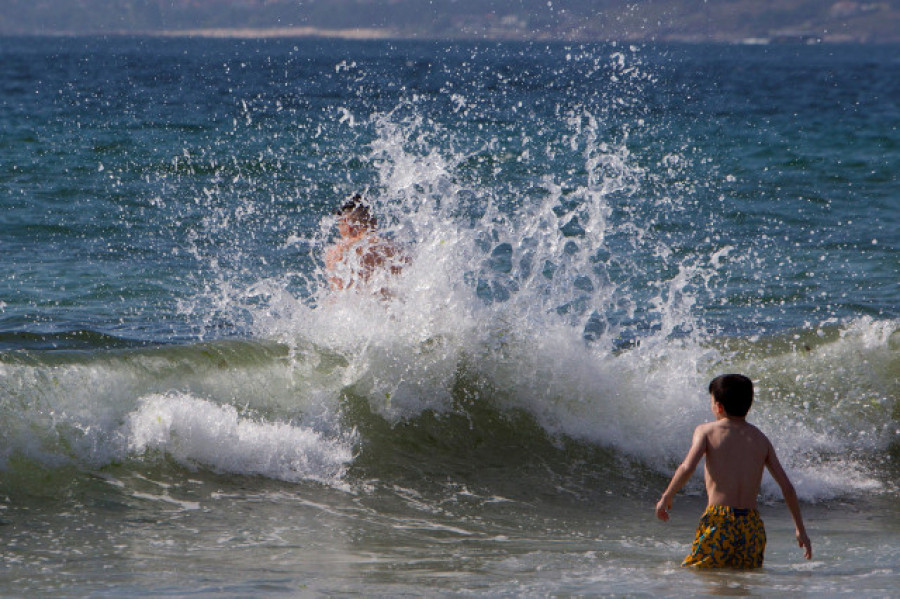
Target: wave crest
(195,432)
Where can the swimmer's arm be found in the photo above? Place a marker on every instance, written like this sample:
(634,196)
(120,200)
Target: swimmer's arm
(333,257)
(335,283)
(683,473)
(790,498)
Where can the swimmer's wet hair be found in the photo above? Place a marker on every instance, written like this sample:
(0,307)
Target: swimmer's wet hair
(734,392)
(357,208)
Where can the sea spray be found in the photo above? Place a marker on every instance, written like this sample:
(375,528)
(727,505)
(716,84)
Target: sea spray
(544,305)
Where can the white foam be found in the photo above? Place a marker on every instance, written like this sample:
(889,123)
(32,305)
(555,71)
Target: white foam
(199,432)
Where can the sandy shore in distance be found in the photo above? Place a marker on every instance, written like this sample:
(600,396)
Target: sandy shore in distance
(272,32)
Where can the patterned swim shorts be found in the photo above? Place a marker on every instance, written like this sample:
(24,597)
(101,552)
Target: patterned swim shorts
(728,538)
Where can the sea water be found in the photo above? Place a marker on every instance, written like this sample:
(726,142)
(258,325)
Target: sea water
(592,233)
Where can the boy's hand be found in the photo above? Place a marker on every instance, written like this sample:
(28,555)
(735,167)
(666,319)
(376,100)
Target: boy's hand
(804,542)
(662,508)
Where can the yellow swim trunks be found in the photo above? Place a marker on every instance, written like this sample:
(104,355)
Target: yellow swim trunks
(728,538)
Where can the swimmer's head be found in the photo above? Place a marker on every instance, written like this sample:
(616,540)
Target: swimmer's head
(734,392)
(356,211)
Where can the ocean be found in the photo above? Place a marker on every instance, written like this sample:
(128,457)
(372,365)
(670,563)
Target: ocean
(591,232)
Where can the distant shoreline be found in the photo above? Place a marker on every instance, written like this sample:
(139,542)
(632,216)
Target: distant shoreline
(376,34)
(357,33)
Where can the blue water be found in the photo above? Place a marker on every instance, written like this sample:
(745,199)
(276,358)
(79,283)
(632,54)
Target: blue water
(593,231)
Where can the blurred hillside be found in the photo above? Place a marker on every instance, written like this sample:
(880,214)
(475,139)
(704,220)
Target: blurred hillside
(751,21)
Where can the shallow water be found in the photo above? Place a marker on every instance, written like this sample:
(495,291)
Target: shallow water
(215,536)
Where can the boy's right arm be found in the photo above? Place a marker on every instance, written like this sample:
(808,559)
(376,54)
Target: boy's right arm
(790,498)
(682,473)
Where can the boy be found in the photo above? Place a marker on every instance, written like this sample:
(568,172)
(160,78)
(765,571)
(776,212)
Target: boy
(360,251)
(731,533)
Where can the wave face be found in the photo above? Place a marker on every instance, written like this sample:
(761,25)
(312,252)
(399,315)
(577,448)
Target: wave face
(586,250)
(197,405)
(472,404)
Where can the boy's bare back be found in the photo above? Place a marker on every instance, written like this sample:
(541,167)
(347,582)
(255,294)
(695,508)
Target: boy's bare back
(736,453)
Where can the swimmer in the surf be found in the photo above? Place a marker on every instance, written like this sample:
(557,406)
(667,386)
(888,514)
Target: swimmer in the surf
(360,253)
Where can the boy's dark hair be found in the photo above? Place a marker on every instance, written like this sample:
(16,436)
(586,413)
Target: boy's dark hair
(358,209)
(734,392)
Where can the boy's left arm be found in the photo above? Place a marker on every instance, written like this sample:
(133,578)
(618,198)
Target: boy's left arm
(790,498)
(682,474)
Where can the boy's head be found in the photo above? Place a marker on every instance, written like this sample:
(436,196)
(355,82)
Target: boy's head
(356,211)
(734,392)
